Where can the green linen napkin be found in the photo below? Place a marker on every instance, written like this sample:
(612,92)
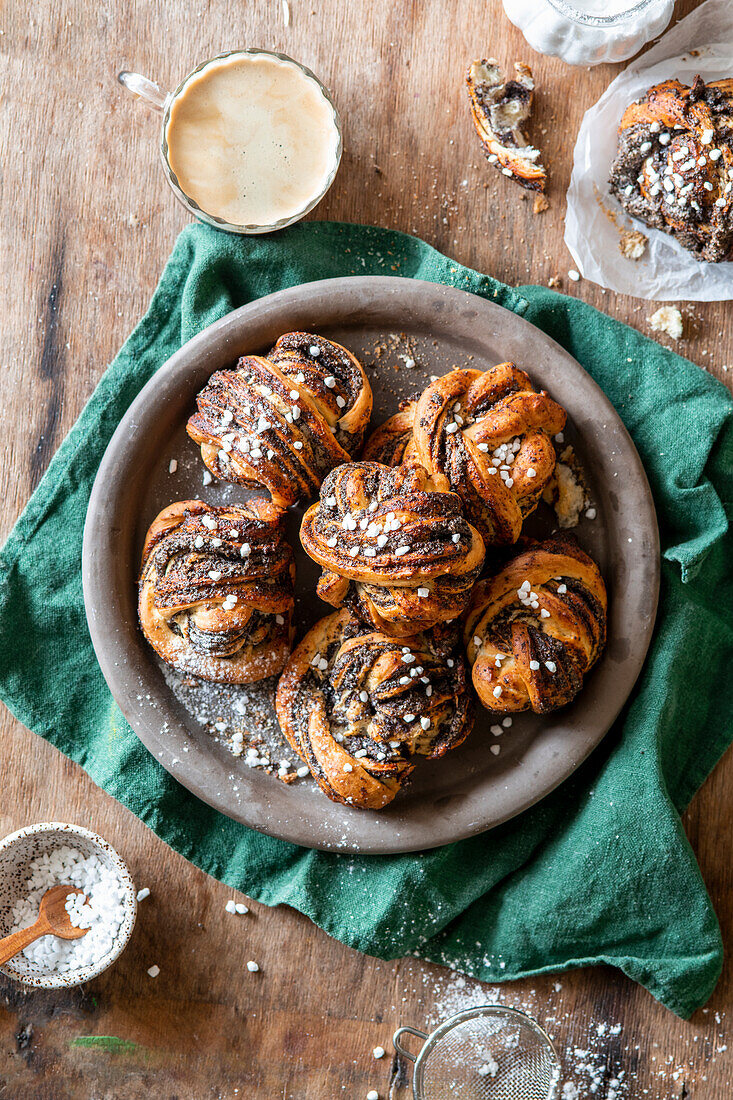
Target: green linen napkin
(600,871)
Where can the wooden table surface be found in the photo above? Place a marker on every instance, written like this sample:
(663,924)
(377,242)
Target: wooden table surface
(87,225)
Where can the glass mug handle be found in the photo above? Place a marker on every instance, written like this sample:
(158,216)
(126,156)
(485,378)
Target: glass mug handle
(142,88)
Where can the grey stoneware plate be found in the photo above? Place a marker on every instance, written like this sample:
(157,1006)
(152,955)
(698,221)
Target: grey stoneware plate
(388,323)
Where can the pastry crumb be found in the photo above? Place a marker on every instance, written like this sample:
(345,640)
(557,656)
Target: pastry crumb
(540,204)
(667,319)
(554,281)
(565,491)
(632,244)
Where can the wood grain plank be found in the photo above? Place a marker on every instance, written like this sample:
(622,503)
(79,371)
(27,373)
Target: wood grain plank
(87,226)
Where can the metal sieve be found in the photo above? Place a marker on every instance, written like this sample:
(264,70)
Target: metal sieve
(485,1053)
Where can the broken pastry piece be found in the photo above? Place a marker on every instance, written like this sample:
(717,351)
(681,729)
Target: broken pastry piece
(566,491)
(499,109)
(674,165)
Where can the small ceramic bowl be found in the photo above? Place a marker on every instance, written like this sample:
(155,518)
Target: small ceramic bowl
(16,853)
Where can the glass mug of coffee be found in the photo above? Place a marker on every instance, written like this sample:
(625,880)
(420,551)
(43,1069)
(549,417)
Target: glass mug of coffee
(251,140)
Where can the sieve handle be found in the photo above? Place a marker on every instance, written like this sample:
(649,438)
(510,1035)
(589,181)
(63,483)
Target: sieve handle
(398,1045)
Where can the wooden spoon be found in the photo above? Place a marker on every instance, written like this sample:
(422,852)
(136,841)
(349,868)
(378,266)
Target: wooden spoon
(53,919)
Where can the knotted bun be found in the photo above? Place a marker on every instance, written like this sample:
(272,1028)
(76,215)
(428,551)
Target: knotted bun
(488,432)
(358,707)
(674,166)
(394,546)
(284,420)
(535,628)
(216,590)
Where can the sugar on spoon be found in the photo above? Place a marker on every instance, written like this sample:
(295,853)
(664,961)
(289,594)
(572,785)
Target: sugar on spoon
(53,919)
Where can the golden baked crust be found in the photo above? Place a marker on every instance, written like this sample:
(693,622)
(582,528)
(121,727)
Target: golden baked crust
(489,433)
(284,420)
(394,547)
(358,707)
(535,628)
(499,110)
(216,590)
(674,166)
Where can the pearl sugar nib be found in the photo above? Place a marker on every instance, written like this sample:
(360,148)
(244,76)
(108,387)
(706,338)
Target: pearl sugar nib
(99,907)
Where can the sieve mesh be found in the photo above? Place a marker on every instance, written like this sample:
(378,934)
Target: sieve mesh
(489,1053)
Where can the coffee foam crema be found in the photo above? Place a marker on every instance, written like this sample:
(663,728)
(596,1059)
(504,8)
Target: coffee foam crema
(252,139)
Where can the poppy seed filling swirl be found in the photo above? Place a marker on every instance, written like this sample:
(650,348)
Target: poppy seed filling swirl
(487,432)
(216,589)
(393,545)
(283,420)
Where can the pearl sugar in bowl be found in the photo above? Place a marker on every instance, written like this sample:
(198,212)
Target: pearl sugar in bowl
(40,856)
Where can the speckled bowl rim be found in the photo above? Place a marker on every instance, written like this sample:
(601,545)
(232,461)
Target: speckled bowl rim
(110,561)
(93,970)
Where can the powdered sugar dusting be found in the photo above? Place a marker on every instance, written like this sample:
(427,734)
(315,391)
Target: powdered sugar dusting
(240,716)
(599,1056)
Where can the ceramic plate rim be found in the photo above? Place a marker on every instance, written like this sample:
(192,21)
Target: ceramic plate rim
(218,345)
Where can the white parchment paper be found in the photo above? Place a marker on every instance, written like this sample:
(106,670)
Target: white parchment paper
(666,271)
